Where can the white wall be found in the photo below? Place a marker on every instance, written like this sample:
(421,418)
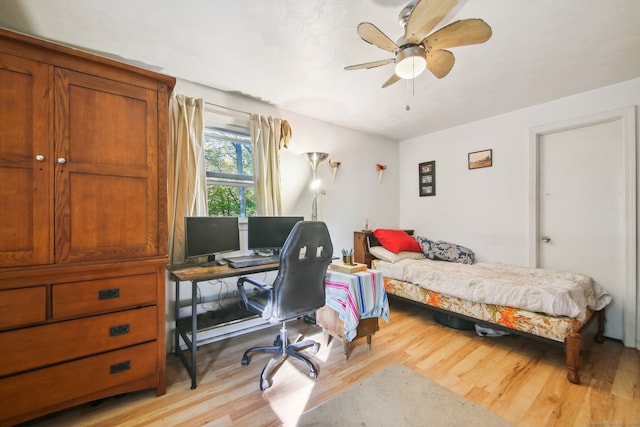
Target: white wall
(487,209)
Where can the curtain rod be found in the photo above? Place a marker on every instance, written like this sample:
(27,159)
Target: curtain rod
(227,108)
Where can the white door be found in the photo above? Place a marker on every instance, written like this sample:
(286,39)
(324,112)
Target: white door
(582,208)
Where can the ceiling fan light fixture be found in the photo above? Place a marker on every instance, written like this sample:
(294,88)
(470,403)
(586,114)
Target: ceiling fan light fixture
(410,62)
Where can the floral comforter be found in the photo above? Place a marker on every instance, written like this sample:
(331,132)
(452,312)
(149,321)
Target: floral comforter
(554,328)
(554,293)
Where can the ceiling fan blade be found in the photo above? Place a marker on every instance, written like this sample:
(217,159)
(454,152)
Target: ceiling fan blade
(459,33)
(394,78)
(440,62)
(370,64)
(372,34)
(424,17)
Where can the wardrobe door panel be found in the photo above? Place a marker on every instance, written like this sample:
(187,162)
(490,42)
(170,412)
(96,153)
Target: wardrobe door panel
(26,145)
(107,178)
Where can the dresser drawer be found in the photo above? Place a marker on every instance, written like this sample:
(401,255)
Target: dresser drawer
(44,345)
(37,392)
(19,307)
(98,296)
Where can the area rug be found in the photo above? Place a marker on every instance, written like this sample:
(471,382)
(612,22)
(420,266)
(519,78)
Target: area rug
(399,396)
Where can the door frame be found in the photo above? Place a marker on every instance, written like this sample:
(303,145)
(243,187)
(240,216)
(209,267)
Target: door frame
(630,320)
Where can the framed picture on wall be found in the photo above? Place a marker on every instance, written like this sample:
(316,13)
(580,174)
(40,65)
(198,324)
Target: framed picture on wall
(481,159)
(427,178)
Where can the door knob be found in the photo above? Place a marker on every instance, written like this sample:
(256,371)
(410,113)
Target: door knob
(545,239)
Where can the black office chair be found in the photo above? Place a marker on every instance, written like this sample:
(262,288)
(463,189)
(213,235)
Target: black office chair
(297,290)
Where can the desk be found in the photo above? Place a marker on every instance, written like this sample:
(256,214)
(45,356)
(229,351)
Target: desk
(353,296)
(195,273)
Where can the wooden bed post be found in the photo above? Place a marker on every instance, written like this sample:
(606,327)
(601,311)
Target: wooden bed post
(574,356)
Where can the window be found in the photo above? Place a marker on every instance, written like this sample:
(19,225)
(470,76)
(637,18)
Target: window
(229,171)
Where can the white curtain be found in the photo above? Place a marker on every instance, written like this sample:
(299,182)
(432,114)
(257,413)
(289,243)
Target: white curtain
(187,184)
(268,135)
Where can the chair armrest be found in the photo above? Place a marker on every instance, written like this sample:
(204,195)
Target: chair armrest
(252,305)
(263,286)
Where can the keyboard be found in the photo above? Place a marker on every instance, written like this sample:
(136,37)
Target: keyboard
(252,260)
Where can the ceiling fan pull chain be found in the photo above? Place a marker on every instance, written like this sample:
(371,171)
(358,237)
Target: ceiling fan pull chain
(413,92)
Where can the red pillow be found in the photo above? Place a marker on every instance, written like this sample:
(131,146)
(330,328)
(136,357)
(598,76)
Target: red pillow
(396,240)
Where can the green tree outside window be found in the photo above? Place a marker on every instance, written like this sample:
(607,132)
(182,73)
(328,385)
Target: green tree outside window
(229,169)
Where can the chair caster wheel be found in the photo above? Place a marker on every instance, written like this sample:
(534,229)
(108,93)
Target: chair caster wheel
(245,361)
(313,374)
(264,384)
(315,348)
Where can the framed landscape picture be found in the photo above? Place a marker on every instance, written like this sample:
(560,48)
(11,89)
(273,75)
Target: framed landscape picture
(427,178)
(481,159)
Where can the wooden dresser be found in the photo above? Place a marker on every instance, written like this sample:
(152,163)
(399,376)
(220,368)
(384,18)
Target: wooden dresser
(83,227)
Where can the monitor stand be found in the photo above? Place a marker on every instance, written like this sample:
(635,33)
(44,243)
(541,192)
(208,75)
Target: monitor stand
(211,261)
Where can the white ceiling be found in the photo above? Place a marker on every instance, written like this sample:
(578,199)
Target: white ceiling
(292,53)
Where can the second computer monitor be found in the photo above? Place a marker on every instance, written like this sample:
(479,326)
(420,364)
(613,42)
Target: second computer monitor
(268,233)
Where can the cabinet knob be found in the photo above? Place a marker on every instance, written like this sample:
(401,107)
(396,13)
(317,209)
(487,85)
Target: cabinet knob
(62,160)
(545,239)
(40,157)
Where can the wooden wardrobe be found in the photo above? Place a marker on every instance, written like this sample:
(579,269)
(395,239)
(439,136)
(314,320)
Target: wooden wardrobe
(83,227)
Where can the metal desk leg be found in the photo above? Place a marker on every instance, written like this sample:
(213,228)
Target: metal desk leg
(176,312)
(190,343)
(194,329)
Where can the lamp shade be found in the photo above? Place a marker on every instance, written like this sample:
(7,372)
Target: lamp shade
(410,62)
(315,158)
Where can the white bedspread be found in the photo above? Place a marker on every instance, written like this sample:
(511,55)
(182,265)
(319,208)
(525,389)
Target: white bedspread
(552,292)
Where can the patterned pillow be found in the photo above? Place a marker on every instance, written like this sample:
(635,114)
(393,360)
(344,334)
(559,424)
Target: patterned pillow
(427,246)
(451,252)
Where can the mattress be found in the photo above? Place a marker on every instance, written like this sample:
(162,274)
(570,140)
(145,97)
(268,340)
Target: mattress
(550,326)
(554,293)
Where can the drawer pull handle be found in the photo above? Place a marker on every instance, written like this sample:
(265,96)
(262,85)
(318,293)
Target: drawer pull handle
(119,330)
(119,367)
(109,293)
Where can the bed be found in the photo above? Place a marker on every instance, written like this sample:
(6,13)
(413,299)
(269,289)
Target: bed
(551,306)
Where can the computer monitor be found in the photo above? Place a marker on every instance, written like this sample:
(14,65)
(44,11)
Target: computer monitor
(267,234)
(210,235)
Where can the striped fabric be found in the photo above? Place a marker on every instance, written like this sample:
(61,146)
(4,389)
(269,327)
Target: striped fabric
(356,296)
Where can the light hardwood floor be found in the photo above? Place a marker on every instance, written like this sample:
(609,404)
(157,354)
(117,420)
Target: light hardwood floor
(522,380)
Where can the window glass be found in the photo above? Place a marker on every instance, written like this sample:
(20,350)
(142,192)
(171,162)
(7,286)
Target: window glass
(229,169)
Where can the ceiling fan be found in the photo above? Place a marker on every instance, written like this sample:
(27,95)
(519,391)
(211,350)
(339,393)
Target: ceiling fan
(418,49)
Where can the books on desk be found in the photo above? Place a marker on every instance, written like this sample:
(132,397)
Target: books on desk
(348,268)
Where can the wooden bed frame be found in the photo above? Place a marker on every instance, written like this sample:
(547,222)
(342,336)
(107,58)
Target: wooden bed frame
(573,343)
